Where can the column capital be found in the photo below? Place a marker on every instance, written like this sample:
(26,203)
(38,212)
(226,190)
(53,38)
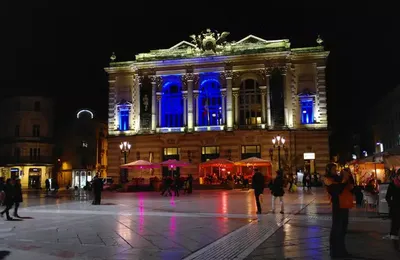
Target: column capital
(158,98)
(184,96)
(228,74)
(188,76)
(195,95)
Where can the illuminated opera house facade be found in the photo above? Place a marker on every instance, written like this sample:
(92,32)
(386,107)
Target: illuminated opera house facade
(209,98)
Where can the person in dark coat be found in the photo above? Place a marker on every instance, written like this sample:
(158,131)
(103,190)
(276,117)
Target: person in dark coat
(97,189)
(9,198)
(190,184)
(277,190)
(257,184)
(393,200)
(17,197)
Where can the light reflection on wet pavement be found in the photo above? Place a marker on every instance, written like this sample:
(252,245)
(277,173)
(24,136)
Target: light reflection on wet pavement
(148,226)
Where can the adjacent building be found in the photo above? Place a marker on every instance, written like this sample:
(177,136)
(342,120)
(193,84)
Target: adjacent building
(82,150)
(209,98)
(386,121)
(26,139)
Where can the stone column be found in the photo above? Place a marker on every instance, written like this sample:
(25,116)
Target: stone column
(159,110)
(154,120)
(223,98)
(229,107)
(285,102)
(184,96)
(236,95)
(263,108)
(268,89)
(190,117)
(196,97)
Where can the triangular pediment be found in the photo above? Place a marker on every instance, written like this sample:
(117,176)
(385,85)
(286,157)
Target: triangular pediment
(252,39)
(123,102)
(183,45)
(306,93)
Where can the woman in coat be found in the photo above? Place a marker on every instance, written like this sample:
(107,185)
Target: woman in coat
(393,200)
(278,191)
(17,196)
(9,198)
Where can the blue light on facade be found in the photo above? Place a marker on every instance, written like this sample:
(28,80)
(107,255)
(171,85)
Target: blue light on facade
(172,102)
(210,100)
(123,118)
(307,110)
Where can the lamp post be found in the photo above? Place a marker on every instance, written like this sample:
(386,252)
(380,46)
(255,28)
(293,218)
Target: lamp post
(125,148)
(278,142)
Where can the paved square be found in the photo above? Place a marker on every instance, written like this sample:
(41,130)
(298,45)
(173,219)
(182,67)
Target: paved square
(203,225)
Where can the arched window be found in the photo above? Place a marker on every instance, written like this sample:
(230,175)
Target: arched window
(210,103)
(249,103)
(276,98)
(172,105)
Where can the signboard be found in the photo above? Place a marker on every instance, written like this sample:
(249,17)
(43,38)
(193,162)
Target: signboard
(309,156)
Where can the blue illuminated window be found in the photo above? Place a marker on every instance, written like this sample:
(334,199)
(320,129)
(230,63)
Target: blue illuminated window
(307,111)
(210,103)
(172,104)
(123,118)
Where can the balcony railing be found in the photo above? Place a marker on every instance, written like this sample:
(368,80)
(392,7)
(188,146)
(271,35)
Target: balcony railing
(26,160)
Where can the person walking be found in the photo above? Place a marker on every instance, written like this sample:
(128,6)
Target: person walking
(9,199)
(339,187)
(17,196)
(393,200)
(277,190)
(257,184)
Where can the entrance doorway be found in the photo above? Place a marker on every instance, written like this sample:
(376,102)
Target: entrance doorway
(35,176)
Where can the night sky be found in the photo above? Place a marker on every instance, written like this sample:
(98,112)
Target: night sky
(61,49)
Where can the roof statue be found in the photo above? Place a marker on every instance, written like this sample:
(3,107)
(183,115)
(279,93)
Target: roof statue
(113,57)
(209,41)
(319,40)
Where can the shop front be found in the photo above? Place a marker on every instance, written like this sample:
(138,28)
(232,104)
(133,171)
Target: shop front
(81,177)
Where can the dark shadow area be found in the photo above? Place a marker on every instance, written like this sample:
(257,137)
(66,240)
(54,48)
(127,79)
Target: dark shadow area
(15,219)
(25,218)
(108,204)
(4,254)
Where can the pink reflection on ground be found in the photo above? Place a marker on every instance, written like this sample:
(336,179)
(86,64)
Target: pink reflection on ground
(223,206)
(141,214)
(172,226)
(172,201)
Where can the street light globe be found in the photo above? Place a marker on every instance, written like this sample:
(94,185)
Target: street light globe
(278,138)
(121,146)
(283,140)
(273,140)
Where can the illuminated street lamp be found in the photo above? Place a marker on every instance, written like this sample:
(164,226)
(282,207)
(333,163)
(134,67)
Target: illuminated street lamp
(278,142)
(125,148)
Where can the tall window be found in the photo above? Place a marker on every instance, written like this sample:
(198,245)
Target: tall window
(276,98)
(124,118)
(172,105)
(210,103)
(34,153)
(36,106)
(36,130)
(16,131)
(250,103)
(209,153)
(17,153)
(251,151)
(307,110)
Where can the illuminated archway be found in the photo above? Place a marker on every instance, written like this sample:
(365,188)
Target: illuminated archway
(210,103)
(171,103)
